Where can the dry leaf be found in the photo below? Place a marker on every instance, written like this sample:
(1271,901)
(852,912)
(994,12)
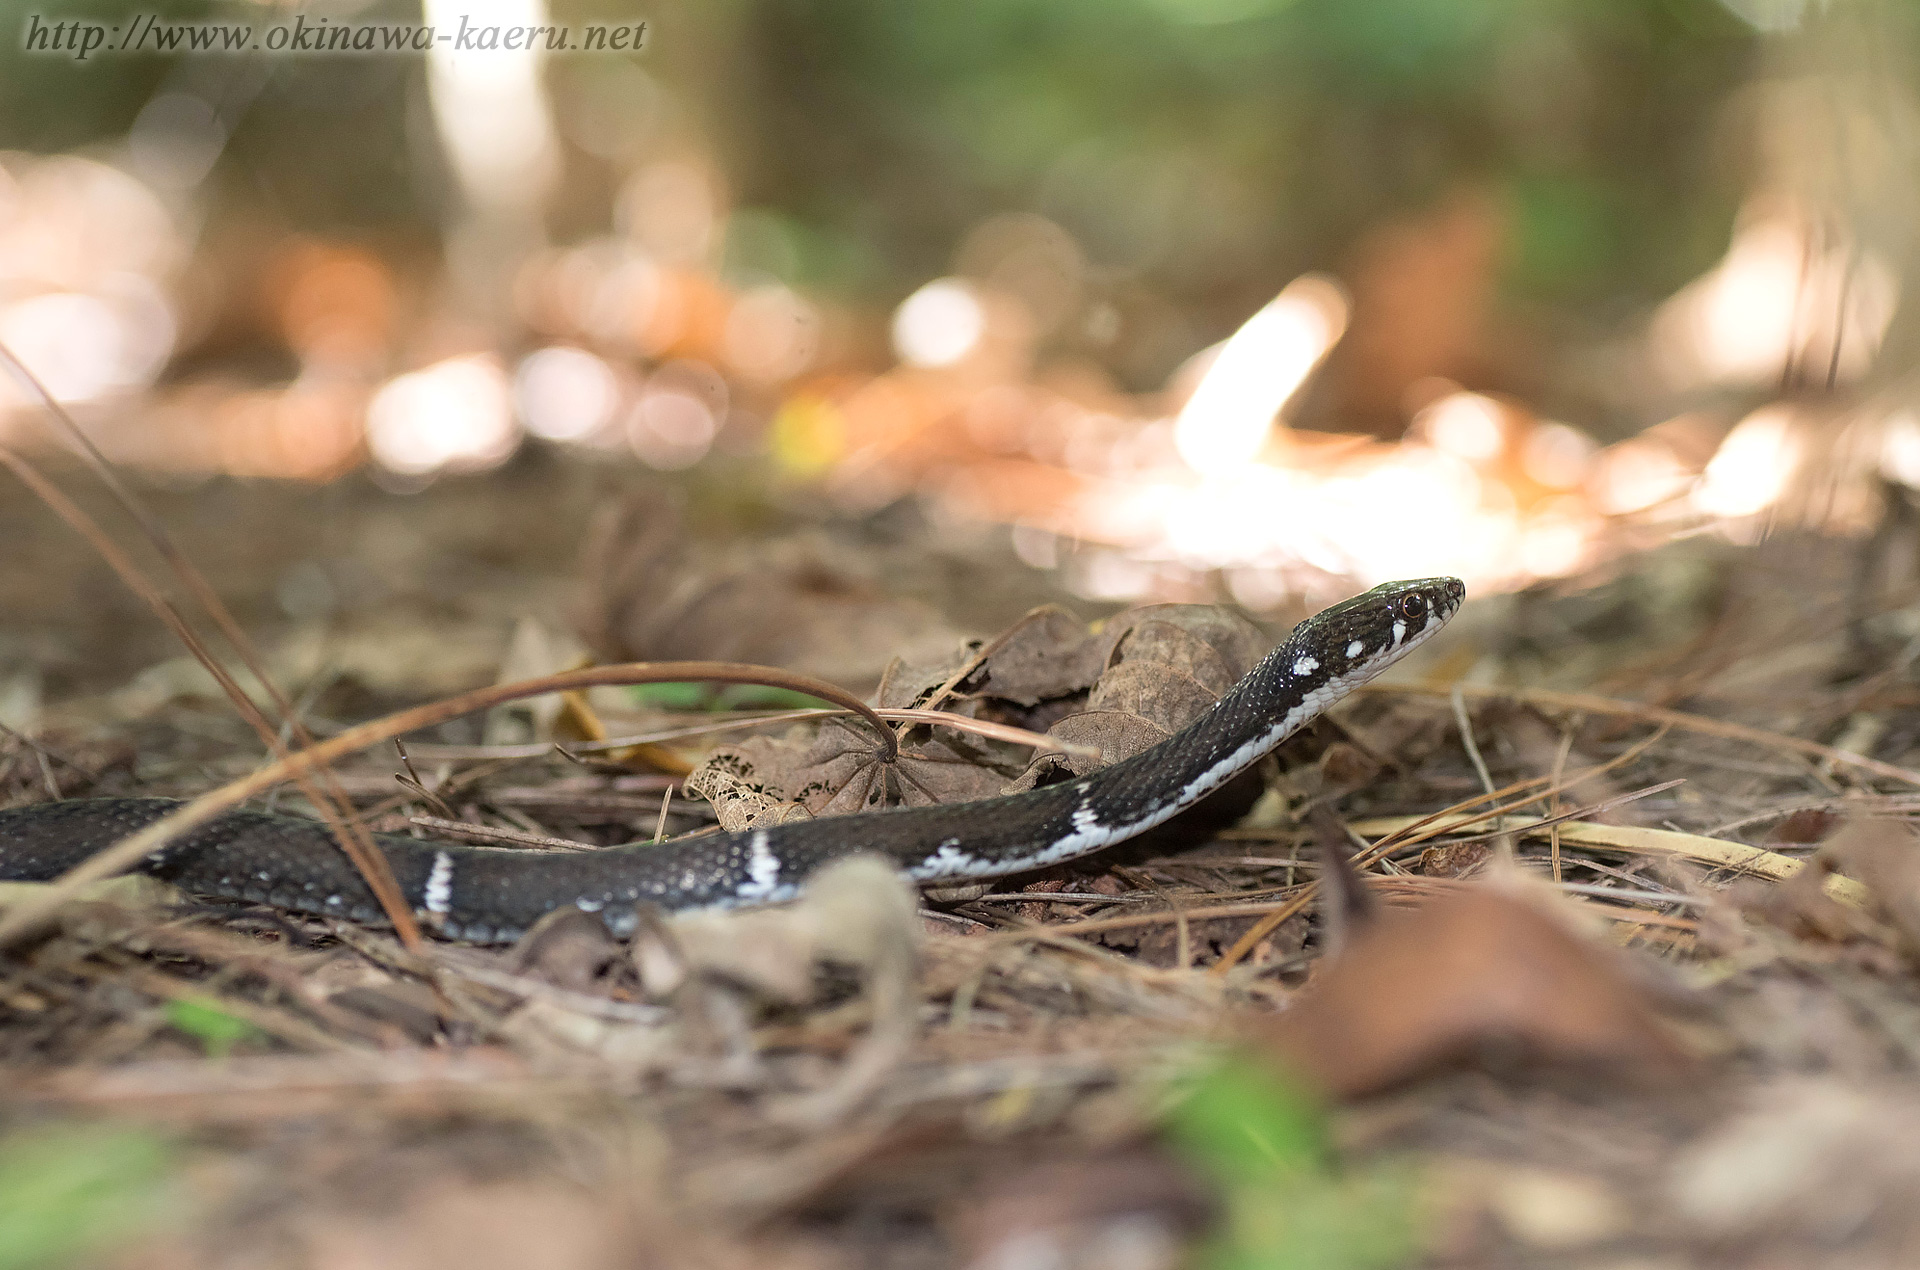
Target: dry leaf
(1473,973)
(1237,641)
(1885,855)
(569,948)
(1454,861)
(1047,654)
(1165,664)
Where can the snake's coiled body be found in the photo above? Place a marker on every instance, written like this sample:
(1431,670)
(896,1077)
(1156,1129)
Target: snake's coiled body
(494,894)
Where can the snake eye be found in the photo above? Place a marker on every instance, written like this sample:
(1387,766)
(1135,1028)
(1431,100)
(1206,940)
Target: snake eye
(1412,606)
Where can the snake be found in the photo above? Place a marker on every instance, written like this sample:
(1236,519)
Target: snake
(495,894)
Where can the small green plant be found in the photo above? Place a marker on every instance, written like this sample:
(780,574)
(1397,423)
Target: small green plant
(213,1027)
(1264,1143)
(70,1190)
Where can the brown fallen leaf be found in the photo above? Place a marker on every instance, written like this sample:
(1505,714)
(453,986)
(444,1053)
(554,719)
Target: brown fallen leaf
(835,770)
(1120,690)
(1883,854)
(1153,633)
(1476,973)
(569,948)
(1046,655)
(1455,860)
(1163,696)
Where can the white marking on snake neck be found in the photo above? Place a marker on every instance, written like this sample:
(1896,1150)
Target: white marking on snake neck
(438,897)
(949,859)
(763,867)
(1305,666)
(1353,649)
(1085,818)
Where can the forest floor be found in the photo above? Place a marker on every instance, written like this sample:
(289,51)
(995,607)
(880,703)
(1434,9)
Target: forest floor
(1631,981)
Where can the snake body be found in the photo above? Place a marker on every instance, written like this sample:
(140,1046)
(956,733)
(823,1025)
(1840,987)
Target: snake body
(494,894)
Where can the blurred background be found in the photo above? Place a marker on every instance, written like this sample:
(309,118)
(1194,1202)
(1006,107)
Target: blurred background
(1248,299)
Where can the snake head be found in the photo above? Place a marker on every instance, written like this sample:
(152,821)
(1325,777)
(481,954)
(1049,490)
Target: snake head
(1362,636)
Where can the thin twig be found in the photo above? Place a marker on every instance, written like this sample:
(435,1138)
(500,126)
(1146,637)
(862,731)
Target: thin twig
(314,783)
(939,718)
(496,833)
(1555,699)
(327,800)
(1466,739)
(1560,756)
(660,825)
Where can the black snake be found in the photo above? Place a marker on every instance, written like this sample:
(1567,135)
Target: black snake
(494,894)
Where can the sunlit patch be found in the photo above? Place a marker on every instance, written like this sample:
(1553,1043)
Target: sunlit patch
(1558,539)
(1779,293)
(1753,467)
(84,250)
(1638,474)
(1465,424)
(490,108)
(456,415)
(1558,456)
(1900,449)
(565,394)
(1225,423)
(940,324)
(84,346)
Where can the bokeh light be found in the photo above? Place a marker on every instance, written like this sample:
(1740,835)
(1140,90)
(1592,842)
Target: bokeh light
(1638,474)
(1558,456)
(940,324)
(1781,292)
(772,335)
(678,414)
(86,251)
(1753,466)
(456,415)
(1226,422)
(565,394)
(1465,424)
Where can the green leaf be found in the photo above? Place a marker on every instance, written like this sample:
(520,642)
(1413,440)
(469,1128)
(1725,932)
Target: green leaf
(211,1026)
(1287,1204)
(1241,1121)
(66,1191)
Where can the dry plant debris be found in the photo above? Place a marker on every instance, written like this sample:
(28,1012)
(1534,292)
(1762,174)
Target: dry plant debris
(1599,1007)
(1107,693)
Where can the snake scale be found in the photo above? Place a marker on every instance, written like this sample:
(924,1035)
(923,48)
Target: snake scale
(494,894)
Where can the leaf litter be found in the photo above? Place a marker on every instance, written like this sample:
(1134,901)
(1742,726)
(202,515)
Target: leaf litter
(1601,1017)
